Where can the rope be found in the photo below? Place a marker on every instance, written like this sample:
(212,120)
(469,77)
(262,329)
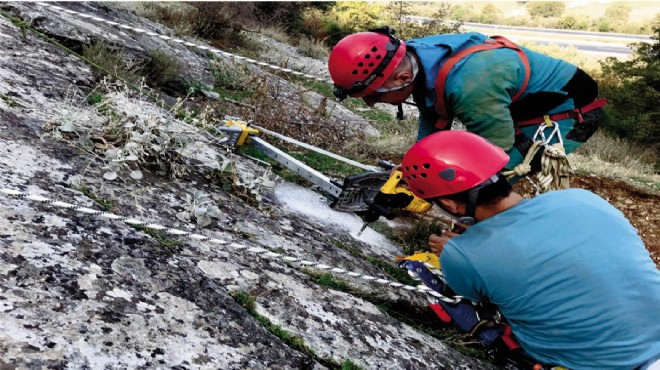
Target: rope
(252,251)
(555,167)
(524,167)
(184,42)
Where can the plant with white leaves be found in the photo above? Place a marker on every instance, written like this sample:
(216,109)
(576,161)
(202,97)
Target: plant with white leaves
(253,183)
(126,132)
(199,207)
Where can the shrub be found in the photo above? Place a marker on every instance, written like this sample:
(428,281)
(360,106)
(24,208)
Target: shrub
(462,12)
(313,49)
(618,12)
(490,14)
(633,89)
(161,69)
(546,9)
(568,22)
(112,60)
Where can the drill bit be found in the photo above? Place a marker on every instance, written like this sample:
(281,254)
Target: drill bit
(364,226)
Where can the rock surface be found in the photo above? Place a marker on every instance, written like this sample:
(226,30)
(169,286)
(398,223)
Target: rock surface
(79,291)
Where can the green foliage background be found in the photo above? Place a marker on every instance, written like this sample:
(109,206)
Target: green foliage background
(633,89)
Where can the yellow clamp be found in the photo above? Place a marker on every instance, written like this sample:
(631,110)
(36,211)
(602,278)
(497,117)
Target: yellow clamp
(391,186)
(246,130)
(426,257)
(548,121)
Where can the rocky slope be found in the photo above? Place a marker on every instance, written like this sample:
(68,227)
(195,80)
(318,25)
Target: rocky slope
(81,291)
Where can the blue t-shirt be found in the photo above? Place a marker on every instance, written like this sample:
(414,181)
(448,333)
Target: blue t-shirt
(570,274)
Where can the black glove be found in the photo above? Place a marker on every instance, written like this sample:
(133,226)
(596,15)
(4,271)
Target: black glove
(397,200)
(384,204)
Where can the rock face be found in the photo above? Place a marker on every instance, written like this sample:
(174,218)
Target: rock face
(80,291)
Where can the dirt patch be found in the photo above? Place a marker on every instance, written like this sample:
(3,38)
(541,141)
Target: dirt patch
(640,206)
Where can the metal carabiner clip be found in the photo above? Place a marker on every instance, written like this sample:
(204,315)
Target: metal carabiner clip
(554,133)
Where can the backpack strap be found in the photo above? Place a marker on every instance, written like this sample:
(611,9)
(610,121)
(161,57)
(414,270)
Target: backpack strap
(495,42)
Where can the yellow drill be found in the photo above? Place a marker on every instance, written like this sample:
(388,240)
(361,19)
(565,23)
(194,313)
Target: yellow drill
(392,187)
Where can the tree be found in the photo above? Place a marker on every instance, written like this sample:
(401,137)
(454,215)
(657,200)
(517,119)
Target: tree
(357,16)
(546,9)
(435,25)
(633,90)
(398,12)
(618,12)
(490,14)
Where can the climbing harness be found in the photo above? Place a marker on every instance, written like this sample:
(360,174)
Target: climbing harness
(495,42)
(479,321)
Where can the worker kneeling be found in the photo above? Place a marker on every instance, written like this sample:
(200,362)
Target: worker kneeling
(565,269)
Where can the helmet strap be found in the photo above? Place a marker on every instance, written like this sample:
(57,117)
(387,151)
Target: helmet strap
(472,197)
(470,207)
(399,114)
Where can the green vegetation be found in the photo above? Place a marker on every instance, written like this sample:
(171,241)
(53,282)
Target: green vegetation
(161,69)
(617,16)
(158,71)
(248,302)
(8,100)
(161,237)
(421,319)
(387,267)
(94,98)
(633,90)
(330,281)
(106,205)
(546,9)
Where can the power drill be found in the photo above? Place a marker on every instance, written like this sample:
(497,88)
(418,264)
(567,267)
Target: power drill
(393,195)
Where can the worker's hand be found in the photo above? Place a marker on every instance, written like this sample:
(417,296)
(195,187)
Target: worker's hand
(394,169)
(384,205)
(437,242)
(396,200)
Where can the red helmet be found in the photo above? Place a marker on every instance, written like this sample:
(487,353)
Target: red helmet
(449,162)
(360,63)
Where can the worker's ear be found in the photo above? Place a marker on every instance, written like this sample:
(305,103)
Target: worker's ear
(450,205)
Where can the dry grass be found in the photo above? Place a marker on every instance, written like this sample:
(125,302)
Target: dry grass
(313,48)
(395,138)
(276,34)
(571,54)
(611,157)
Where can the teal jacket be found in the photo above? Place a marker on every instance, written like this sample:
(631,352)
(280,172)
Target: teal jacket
(479,88)
(571,276)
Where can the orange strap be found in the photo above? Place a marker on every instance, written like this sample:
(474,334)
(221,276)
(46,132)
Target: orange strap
(509,339)
(440,80)
(573,113)
(440,312)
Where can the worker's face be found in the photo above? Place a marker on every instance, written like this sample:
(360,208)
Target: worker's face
(450,206)
(394,97)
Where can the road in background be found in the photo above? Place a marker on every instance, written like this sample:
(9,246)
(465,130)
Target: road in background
(601,43)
